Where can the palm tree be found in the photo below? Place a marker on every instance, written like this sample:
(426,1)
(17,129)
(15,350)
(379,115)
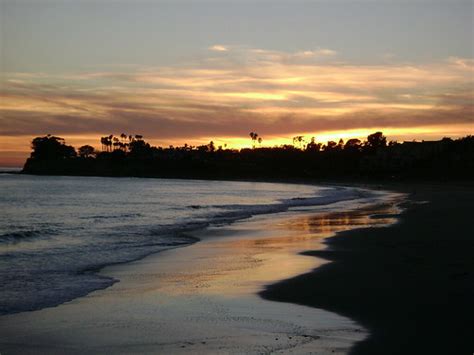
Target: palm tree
(254,136)
(116,143)
(106,143)
(299,141)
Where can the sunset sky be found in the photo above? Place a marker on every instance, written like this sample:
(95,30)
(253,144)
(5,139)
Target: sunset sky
(194,71)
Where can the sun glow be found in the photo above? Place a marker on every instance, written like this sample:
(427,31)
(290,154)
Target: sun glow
(395,134)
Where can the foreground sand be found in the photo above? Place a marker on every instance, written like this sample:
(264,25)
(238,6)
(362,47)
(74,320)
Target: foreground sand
(203,298)
(411,285)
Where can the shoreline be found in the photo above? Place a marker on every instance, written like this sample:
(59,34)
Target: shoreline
(356,193)
(141,291)
(411,284)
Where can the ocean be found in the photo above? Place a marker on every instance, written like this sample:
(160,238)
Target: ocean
(57,232)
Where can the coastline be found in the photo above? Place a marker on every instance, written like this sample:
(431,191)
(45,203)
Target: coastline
(208,282)
(340,193)
(411,284)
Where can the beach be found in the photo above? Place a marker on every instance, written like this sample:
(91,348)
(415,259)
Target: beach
(203,298)
(410,285)
(361,278)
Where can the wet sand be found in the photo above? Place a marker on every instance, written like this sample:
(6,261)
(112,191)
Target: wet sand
(411,285)
(204,298)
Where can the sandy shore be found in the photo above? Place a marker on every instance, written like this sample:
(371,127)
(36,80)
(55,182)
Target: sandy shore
(411,285)
(204,298)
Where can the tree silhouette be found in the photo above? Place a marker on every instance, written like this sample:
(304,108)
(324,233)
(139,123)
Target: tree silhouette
(354,159)
(340,145)
(51,148)
(86,151)
(353,144)
(106,143)
(140,149)
(331,145)
(212,147)
(116,143)
(254,137)
(376,140)
(312,146)
(298,141)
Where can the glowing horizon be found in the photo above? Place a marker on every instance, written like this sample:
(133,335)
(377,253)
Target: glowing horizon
(16,158)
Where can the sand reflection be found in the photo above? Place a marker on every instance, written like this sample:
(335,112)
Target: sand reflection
(254,253)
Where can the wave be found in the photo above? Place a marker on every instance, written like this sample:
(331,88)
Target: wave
(19,236)
(233,212)
(238,211)
(117,216)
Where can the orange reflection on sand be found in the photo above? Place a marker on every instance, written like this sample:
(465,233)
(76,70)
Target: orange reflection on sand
(262,251)
(327,224)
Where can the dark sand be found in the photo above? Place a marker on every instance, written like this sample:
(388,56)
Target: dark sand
(411,284)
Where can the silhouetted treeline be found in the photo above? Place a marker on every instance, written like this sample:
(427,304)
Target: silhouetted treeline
(371,159)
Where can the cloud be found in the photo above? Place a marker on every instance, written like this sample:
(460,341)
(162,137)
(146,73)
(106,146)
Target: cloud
(464,63)
(219,48)
(320,52)
(308,55)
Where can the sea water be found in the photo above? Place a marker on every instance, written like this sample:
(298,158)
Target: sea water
(56,232)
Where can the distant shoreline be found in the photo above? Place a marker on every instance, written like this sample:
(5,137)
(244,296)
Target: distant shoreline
(372,160)
(10,170)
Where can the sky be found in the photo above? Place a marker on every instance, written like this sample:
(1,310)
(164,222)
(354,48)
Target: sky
(194,71)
